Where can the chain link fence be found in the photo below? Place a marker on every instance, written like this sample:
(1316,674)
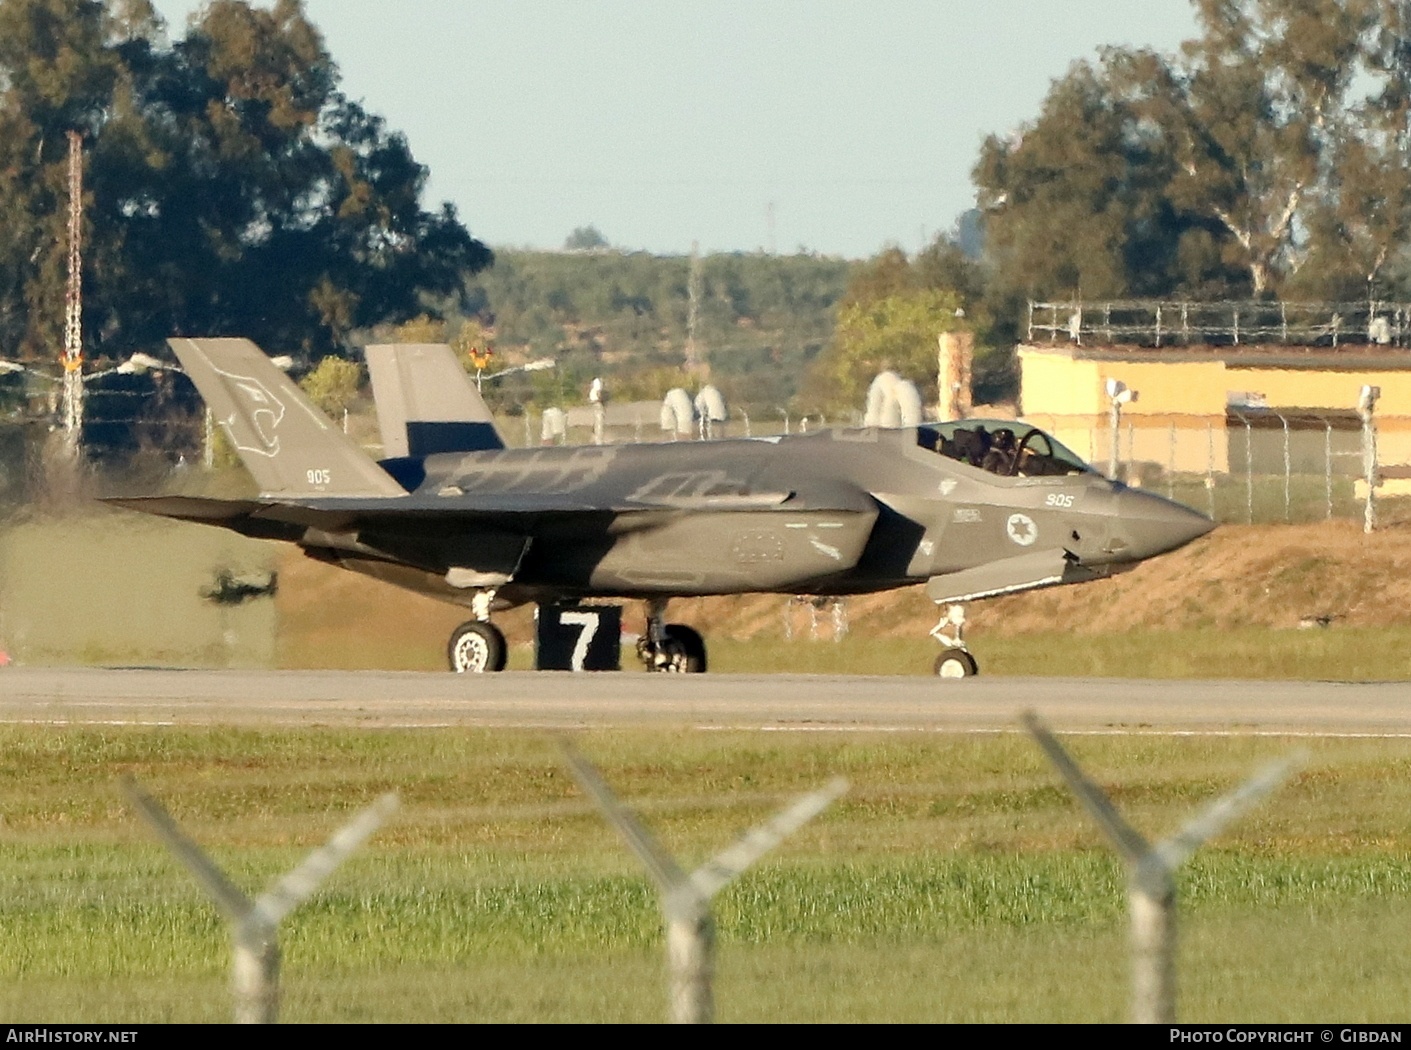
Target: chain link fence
(1254,466)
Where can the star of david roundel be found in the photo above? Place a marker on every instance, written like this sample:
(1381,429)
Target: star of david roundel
(1021,529)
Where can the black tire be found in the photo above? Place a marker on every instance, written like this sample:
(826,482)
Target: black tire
(477,648)
(956,663)
(684,649)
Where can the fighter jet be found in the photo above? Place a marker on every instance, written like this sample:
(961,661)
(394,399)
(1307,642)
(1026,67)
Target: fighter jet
(969,508)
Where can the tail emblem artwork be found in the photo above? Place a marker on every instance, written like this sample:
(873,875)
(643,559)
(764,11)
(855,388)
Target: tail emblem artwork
(454,513)
(261,410)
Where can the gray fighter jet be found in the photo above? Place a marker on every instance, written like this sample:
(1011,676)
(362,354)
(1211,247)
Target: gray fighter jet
(970,508)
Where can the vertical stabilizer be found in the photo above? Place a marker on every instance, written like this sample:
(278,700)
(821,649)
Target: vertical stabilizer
(291,448)
(426,403)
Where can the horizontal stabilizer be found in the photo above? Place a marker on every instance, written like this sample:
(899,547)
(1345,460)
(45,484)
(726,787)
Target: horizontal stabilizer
(188,508)
(1044,568)
(426,403)
(291,448)
(247,517)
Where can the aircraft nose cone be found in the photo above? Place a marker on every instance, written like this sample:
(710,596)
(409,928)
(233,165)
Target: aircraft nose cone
(1147,525)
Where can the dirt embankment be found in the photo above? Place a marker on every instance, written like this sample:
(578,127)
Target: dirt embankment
(1261,575)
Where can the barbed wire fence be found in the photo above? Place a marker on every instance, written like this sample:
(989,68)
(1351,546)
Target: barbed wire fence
(1167,323)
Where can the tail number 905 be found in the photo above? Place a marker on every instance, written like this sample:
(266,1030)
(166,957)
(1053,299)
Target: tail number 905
(319,476)
(1058,499)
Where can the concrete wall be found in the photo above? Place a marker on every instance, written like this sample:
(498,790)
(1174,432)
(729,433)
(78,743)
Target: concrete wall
(120,588)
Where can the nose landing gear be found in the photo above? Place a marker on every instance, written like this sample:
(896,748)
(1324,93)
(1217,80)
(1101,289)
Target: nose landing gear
(955,660)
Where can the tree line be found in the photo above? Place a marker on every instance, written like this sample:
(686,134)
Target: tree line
(232,188)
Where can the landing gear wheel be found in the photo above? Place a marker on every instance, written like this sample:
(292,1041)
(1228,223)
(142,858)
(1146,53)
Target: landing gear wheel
(682,651)
(477,647)
(956,663)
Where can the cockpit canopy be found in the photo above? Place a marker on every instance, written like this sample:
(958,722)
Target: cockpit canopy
(1005,447)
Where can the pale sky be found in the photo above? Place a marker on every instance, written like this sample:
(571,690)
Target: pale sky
(837,126)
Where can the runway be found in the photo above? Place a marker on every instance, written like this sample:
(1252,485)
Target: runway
(89,696)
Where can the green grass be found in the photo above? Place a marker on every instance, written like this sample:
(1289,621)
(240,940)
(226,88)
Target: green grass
(955,881)
(1337,653)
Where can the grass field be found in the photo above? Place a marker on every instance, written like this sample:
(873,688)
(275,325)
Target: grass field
(956,881)
(1349,654)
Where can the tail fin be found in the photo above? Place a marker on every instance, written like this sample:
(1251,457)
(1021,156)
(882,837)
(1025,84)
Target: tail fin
(426,403)
(290,447)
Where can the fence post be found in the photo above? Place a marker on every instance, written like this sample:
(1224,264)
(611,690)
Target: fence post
(254,924)
(1328,465)
(1248,472)
(1288,468)
(1171,462)
(1151,884)
(1210,462)
(685,899)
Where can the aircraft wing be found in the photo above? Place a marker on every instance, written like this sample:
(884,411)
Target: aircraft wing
(506,510)
(1045,568)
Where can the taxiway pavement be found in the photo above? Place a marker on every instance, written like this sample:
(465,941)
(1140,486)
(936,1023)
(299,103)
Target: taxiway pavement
(93,696)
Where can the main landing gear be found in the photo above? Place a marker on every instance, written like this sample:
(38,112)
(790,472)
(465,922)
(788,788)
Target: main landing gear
(478,646)
(955,660)
(670,647)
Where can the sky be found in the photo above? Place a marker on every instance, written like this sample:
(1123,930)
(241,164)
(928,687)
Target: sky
(833,126)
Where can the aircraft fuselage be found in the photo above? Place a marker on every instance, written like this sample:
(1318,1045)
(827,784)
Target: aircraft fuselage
(836,512)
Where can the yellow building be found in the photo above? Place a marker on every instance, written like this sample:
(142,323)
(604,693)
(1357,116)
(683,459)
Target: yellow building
(1214,409)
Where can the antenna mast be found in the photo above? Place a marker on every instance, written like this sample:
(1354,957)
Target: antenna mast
(73,302)
(693,293)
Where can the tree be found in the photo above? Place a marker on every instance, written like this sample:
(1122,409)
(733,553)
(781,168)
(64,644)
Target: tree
(1361,222)
(233,189)
(1215,173)
(333,385)
(1252,117)
(896,332)
(1077,204)
(585,239)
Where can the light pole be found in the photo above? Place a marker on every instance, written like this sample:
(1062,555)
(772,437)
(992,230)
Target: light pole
(1118,394)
